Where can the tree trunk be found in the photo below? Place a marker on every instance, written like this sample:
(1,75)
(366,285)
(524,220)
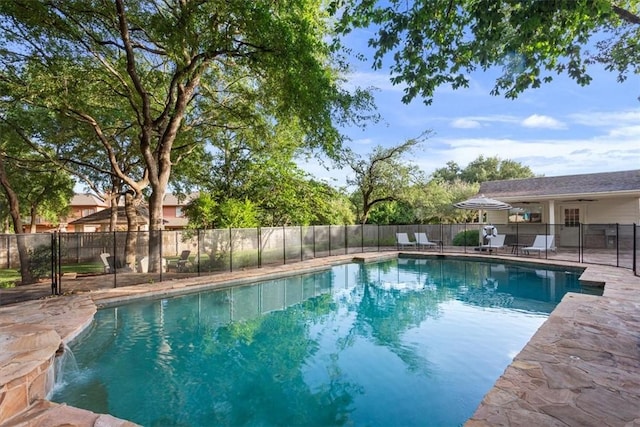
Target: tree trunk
(33,226)
(130,203)
(14,211)
(113,218)
(155,228)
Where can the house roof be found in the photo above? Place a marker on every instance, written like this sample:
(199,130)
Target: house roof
(104,216)
(86,199)
(171,199)
(563,186)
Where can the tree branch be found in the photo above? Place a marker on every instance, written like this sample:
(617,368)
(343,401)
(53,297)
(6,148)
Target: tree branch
(626,15)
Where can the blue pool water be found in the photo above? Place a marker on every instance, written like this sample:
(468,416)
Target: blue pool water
(412,342)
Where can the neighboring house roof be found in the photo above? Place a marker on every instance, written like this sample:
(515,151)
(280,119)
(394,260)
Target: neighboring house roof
(86,199)
(104,216)
(171,199)
(176,222)
(562,186)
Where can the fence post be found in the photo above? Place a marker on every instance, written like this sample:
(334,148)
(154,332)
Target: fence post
(580,243)
(314,241)
(329,239)
(284,246)
(54,275)
(301,246)
(617,245)
(397,230)
(59,238)
(259,247)
(362,237)
(230,251)
(378,237)
(635,248)
(346,239)
(160,250)
(115,261)
(198,249)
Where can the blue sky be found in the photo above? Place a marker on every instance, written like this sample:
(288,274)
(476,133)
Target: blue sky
(559,129)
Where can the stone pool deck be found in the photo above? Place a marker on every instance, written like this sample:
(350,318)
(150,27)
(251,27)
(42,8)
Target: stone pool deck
(581,368)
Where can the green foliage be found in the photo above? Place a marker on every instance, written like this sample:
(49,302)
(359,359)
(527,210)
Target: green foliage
(135,88)
(395,212)
(202,212)
(238,214)
(383,176)
(436,198)
(467,238)
(436,42)
(40,262)
(483,169)
(205,212)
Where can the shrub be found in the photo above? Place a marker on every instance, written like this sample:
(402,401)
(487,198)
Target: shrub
(40,262)
(467,238)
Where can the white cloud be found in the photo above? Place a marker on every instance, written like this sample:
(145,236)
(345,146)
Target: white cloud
(551,157)
(371,79)
(540,121)
(363,141)
(607,118)
(625,132)
(463,123)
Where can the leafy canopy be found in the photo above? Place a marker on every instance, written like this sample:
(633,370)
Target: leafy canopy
(483,169)
(436,42)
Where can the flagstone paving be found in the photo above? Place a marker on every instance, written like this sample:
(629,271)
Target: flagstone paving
(581,368)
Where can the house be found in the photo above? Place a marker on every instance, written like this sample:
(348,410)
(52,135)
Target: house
(81,205)
(172,214)
(560,205)
(173,217)
(100,220)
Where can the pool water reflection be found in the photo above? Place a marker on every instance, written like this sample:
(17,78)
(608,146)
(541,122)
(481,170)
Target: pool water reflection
(413,342)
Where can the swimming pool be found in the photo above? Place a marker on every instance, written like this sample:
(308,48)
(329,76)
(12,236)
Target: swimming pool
(406,342)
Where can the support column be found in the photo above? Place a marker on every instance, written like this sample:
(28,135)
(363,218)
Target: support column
(552,217)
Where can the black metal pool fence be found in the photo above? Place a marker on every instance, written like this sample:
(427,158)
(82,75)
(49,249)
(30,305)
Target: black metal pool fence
(122,258)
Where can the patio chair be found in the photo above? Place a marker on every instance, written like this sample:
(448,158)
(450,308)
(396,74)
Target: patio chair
(496,243)
(542,243)
(181,264)
(423,240)
(108,263)
(402,239)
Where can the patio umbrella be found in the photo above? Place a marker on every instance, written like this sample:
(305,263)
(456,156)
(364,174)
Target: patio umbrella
(483,203)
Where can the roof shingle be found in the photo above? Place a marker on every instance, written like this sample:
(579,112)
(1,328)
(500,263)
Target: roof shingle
(564,185)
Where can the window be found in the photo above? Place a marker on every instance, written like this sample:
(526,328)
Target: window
(87,212)
(526,213)
(572,217)
(179,213)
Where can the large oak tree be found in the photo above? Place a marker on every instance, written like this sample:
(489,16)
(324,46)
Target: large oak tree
(148,72)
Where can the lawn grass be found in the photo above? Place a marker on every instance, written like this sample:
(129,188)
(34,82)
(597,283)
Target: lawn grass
(8,278)
(83,268)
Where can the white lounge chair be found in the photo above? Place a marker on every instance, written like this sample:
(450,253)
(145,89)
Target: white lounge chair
(402,240)
(496,243)
(107,262)
(423,240)
(542,243)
